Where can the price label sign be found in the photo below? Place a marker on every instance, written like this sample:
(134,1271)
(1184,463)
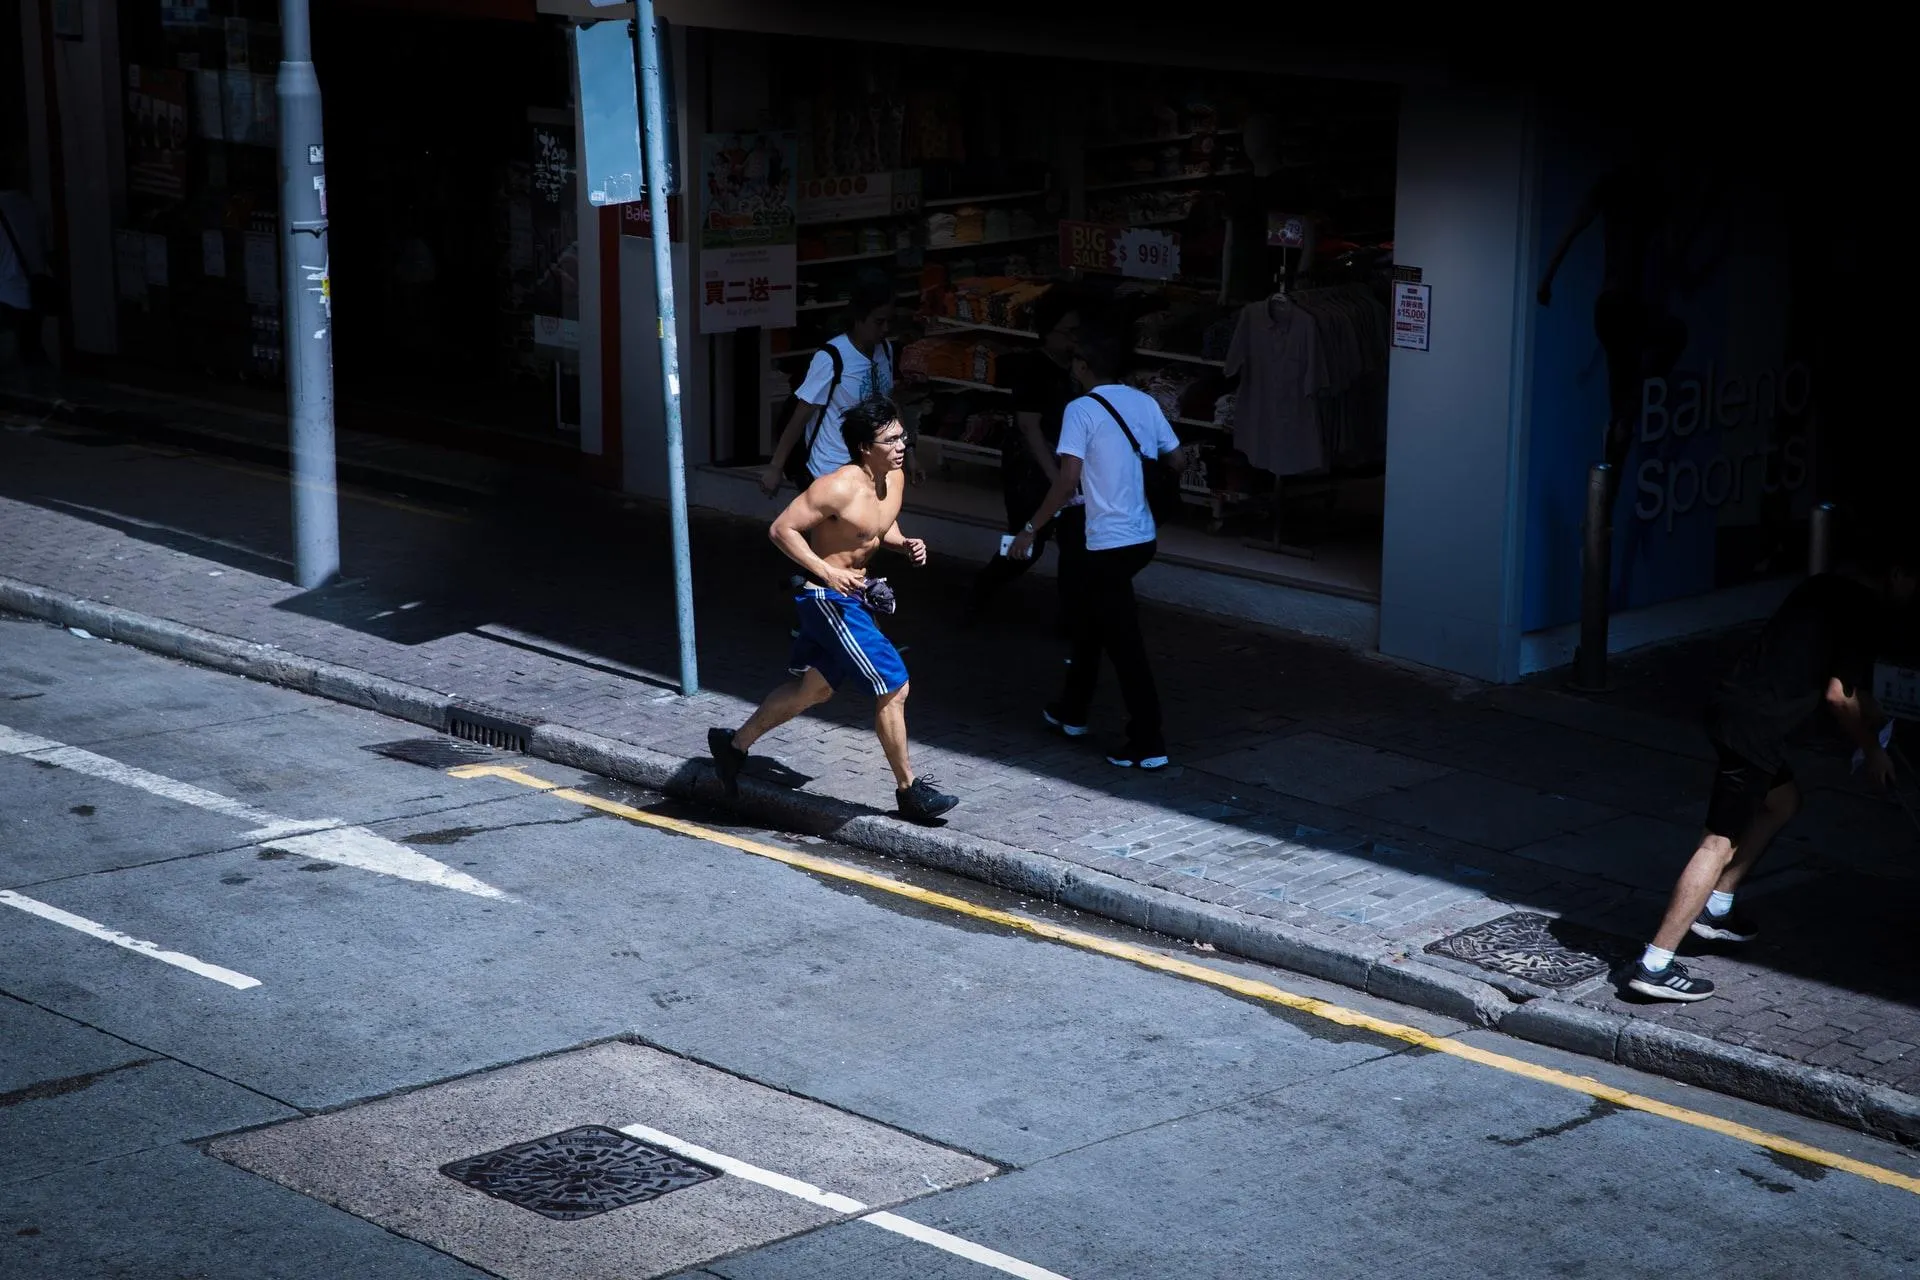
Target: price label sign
(1897,690)
(1147,253)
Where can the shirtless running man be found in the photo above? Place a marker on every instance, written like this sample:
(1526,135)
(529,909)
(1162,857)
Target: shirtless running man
(831,531)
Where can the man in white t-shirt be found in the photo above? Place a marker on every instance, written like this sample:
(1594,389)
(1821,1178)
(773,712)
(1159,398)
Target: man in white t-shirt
(1098,459)
(865,370)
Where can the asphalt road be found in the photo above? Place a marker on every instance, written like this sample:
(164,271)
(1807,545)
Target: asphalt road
(259,984)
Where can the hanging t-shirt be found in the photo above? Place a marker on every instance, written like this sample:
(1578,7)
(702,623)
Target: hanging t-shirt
(859,378)
(1111,479)
(1277,353)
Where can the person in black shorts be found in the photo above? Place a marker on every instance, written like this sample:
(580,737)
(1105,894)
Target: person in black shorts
(1818,648)
(1043,385)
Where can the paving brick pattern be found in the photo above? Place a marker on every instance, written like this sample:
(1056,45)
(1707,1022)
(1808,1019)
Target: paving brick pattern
(1335,792)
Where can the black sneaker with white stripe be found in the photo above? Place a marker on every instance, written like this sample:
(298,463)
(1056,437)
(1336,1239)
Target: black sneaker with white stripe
(923,801)
(1670,983)
(1731,927)
(1054,715)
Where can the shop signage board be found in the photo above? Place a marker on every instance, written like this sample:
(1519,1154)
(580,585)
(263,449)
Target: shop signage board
(1147,253)
(636,219)
(864,195)
(748,215)
(1412,314)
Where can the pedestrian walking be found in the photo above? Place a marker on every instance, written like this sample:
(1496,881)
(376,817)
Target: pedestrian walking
(853,366)
(1042,384)
(831,531)
(1109,437)
(1819,648)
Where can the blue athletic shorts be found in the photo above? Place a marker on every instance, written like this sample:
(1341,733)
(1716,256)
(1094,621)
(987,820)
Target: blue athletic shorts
(839,639)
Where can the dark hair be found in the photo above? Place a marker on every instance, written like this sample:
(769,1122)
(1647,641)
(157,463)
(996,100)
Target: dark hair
(871,288)
(861,425)
(1106,344)
(1053,306)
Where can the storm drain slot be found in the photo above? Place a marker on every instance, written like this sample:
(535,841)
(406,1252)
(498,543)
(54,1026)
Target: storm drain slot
(489,729)
(435,753)
(581,1173)
(1541,949)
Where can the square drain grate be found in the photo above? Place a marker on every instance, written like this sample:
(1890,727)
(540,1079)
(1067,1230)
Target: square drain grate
(1538,949)
(581,1173)
(435,753)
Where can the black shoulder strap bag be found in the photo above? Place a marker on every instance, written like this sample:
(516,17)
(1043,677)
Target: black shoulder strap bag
(1162,486)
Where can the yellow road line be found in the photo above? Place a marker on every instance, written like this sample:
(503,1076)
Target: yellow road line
(1251,987)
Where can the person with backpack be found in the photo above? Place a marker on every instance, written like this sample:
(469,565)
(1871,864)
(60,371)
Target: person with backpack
(1118,451)
(851,367)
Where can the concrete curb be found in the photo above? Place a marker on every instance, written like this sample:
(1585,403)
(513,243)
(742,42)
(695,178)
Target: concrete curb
(1646,1046)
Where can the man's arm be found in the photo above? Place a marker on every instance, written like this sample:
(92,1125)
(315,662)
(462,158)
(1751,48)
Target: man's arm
(1858,714)
(784,447)
(915,549)
(1063,486)
(820,501)
(1029,424)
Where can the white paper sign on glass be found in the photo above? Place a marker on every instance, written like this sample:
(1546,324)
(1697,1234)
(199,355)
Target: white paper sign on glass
(1147,253)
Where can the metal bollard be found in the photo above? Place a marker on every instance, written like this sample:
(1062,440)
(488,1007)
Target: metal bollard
(1596,579)
(1820,539)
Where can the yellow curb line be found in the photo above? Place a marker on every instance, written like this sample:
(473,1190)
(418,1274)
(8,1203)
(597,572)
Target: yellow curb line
(1251,987)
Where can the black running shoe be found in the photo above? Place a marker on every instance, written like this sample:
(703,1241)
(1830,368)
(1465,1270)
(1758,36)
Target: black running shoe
(728,759)
(922,802)
(1670,983)
(1133,756)
(1055,716)
(1731,927)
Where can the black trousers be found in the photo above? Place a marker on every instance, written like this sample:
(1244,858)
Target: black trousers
(1106,620)
(25,327)
(1023,486)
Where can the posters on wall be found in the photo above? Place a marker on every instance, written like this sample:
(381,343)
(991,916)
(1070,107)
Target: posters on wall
(553,225)
(1665,343)
(157,133)
(748,216)
(1412,315)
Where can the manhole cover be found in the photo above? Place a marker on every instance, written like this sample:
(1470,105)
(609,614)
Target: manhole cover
(1540,949)
(579,1174)
(436,753)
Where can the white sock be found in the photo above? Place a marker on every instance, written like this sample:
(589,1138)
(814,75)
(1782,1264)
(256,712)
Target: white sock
(1655,959)
(1718,903)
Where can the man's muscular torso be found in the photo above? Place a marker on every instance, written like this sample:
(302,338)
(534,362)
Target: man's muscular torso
(849,537)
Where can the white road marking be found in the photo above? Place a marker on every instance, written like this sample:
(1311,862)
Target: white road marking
(328,839)
(844,1204)
(179,960)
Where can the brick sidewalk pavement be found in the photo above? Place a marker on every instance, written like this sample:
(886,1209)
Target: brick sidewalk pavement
(1332,792)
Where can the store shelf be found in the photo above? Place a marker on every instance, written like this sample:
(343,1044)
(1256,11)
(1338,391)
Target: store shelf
(1035,238)
(970,386)
(1182,356)
(799,351)
(957,451)
(949,202)
(830,303)
(1119,143)
(1196,422)
(849,257)
(968,326)
(1166,182)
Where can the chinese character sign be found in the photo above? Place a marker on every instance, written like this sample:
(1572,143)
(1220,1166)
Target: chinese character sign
(747,230)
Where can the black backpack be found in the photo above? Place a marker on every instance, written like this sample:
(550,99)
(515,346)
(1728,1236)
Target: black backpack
(797,471)
(1161,484)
